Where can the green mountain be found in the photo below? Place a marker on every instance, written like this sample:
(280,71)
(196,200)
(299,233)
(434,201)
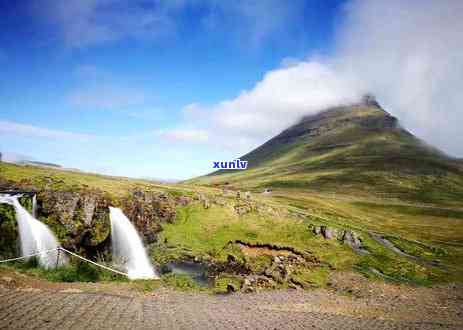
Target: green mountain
(357,149)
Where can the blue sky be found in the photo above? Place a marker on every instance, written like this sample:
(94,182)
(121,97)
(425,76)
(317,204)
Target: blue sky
(61,73)
(159,88)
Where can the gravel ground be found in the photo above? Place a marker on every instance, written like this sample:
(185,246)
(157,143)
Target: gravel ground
(166,309)
(351,302)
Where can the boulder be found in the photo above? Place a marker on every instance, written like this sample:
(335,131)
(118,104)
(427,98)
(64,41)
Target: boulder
(352,239)
(328,233)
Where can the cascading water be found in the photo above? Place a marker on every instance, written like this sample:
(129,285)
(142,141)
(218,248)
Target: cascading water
(128,247)
(34,206)
(35,236)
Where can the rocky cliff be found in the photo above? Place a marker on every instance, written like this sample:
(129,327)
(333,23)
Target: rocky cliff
(80,217)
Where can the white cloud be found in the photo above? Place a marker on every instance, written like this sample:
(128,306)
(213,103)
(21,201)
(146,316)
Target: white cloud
(84,23)
(281,98)
(12,128)
(409,54)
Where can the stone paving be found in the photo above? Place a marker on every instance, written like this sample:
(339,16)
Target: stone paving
(36,309)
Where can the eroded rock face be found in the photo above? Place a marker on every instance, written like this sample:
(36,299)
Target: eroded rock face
(265,266)
(80,218)
(148,210)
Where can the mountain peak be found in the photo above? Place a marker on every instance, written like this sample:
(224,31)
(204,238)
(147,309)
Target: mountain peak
(359,147)
(365,115)
(369,100)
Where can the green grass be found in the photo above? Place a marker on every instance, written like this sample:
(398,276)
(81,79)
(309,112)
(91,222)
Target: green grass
(400,269)
(311,277)
(181,282)
(207,233)
(56,179)
(73,272)
(413,210)
(227,283)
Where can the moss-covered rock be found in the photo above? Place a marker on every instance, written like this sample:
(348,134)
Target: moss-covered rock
(8,232)
(148,210)
(79,217)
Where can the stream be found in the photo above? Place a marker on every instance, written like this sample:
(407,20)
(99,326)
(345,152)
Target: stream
(389,245)
(195,270)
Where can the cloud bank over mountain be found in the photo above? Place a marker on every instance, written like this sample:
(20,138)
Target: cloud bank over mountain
(409,54)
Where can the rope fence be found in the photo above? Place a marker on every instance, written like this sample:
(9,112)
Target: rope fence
(28,256)
(92,262)
(59,249)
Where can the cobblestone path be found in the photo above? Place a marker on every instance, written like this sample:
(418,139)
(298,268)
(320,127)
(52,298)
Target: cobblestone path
(26,309)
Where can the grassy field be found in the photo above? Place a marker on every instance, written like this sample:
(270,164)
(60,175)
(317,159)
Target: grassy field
(56,179)
(66,180)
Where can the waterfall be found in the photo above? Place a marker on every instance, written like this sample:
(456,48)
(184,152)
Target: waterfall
(34,235)
(128,248)
(34,206)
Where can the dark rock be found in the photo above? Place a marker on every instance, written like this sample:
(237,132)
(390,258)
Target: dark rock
(328,233)
(148,210)
(351,238)
(80,217)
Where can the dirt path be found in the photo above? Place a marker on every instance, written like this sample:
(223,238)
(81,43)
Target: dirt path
(350,304)
(389,245)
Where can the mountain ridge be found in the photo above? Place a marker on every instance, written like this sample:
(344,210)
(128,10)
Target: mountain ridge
(358,149)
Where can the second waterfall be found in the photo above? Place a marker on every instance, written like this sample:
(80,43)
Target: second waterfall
(128,249)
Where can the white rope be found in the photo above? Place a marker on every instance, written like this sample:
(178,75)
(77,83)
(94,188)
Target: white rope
(71,253)
(28,256)
(92,262)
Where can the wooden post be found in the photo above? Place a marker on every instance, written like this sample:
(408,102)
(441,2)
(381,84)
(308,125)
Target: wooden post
(57,258)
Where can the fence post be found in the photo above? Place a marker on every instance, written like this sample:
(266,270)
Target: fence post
(57,257)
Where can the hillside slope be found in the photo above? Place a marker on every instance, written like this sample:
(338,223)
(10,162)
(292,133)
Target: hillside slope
(239,238)
(359,150)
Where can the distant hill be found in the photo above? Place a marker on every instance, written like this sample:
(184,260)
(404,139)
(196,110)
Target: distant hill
(36,163)
(358,149)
